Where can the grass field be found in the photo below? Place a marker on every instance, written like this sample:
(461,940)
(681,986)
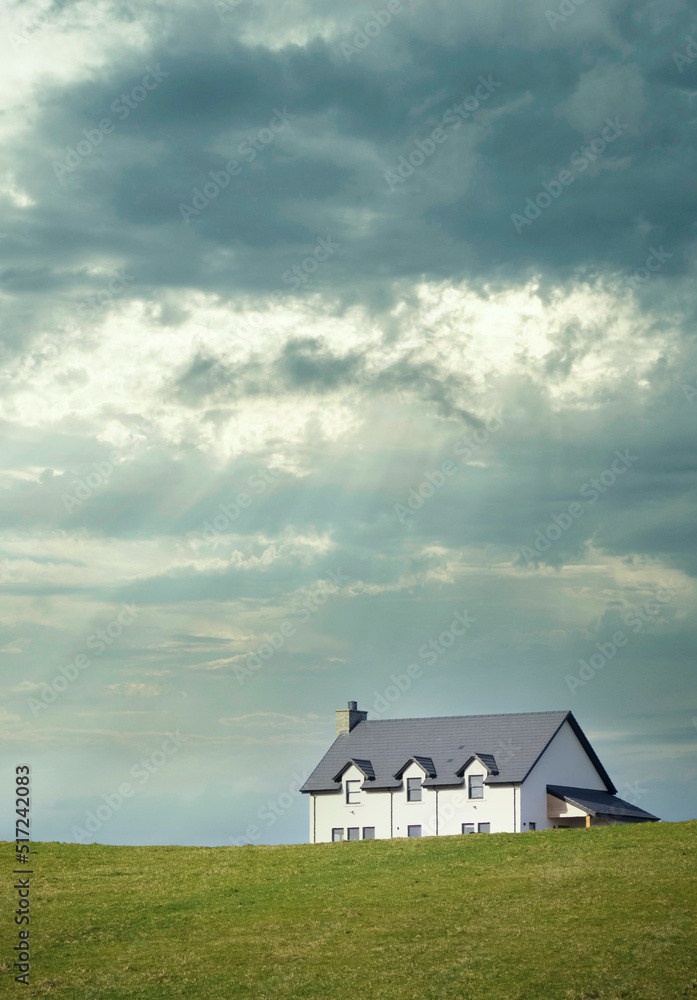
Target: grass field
(604,913)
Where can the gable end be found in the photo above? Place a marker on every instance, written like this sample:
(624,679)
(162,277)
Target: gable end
(583,740)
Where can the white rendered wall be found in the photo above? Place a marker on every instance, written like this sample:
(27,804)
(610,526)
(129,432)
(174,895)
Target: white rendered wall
(497,806)
(329,809)
(421,814)
(564,762)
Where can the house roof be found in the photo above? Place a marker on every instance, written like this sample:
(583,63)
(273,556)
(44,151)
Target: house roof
(598,803)
(515,742)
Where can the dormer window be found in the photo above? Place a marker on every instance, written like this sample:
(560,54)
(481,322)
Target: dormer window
(476,786)
(353,792)
(413,789)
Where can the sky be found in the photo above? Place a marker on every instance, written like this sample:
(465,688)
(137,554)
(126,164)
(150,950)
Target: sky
(323,323)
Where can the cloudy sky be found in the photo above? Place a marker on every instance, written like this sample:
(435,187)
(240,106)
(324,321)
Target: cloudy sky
(318,329)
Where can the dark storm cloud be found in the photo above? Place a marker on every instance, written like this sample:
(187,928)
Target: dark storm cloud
(303,365)
(307,364)
(307,368)
(123,199)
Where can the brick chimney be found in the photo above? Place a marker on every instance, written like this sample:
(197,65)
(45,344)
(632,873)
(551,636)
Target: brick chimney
(348,718)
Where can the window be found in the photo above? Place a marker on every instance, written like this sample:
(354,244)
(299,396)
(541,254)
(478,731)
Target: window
(468,827)
(476,786)
(484,828)
(353,792)
(413,789)
(532,826)
(353,832)
(337,835)
(368,833)
(413,831)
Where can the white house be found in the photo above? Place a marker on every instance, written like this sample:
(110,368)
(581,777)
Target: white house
(460,774)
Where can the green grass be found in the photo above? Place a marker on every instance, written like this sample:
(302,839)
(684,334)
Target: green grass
(564,915)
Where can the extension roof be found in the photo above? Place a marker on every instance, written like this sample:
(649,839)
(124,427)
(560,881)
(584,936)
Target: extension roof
(508,745)
(600,804)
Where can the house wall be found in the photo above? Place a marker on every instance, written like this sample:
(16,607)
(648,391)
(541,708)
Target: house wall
(331,810)
(564,762)
(500,807)
(421,814)
(497,806)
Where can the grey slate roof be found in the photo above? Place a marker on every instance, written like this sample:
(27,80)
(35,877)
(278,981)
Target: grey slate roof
(514,741)
(599,803)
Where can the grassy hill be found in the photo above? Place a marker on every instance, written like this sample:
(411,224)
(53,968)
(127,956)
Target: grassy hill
(564,915)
